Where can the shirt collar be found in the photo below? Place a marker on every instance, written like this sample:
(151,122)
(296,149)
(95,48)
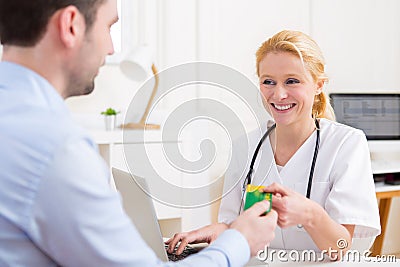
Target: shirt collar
(27,83)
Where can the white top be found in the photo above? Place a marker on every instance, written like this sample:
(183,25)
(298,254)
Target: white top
(342,184)
(279,168)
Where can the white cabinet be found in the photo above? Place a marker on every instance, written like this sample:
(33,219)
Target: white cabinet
(123,151)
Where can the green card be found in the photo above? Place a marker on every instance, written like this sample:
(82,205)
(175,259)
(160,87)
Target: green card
(254,195)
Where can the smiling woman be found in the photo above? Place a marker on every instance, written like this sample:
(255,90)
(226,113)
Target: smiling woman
(309,163)
(313,206)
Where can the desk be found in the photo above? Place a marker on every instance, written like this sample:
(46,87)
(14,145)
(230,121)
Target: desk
(384,193)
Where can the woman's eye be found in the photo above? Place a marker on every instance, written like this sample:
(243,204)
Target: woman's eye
(269,82)
(292,81)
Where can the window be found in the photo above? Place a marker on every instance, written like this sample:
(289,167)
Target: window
(121,32)
(116,33)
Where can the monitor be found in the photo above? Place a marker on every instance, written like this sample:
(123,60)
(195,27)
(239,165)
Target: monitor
(378,115)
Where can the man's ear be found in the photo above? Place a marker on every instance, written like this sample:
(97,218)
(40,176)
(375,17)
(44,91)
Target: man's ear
(71,26)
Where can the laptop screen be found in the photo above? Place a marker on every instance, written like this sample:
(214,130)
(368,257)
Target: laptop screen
(139,207)
(378,115)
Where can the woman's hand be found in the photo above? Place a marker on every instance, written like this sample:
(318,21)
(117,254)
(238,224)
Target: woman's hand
(292,207)
(205,234)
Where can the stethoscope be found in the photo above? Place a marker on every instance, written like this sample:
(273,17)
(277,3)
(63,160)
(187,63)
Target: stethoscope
(247,181)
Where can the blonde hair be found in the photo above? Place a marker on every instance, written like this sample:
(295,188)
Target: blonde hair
(303,46)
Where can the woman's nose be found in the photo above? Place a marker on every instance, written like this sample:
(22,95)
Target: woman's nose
(280,92)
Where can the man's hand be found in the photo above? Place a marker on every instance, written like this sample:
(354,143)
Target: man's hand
(258,230)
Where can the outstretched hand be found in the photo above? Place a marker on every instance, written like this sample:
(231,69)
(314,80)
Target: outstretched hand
(257,229)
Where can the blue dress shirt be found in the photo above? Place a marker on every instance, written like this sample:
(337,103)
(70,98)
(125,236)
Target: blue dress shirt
(56,205)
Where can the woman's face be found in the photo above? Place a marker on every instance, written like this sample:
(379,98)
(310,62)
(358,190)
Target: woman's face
(287,87)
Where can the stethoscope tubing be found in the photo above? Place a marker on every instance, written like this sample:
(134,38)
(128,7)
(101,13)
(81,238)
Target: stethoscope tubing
(247,180)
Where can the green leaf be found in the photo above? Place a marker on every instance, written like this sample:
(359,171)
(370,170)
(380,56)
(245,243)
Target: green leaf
(109,112)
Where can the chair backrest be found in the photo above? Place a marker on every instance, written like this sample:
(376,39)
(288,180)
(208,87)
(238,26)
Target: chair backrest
(214,207)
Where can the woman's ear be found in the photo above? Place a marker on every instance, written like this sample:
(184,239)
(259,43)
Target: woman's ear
(320,86)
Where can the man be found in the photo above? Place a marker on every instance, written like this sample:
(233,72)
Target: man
(56,206)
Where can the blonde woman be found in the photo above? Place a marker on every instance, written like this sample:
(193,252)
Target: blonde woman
(318,170)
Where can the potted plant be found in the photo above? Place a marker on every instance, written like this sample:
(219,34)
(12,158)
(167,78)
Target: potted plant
(110,115)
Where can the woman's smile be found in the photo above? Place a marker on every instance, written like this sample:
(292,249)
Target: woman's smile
(283,107)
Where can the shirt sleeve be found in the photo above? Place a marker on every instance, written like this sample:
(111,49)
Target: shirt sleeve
(352,198)
(78,220)
(230,249)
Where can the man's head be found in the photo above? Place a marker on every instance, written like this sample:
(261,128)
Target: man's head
(65,41)
(23,22)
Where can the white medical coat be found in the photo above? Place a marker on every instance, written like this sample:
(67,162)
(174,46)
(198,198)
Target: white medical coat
(342,184)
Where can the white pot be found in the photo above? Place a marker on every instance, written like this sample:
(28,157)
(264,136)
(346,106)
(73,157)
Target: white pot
(110,122)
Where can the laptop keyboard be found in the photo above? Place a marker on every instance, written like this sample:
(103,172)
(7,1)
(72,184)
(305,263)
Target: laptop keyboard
(186,252)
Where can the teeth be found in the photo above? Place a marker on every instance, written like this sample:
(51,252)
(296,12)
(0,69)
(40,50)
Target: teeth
(283,107)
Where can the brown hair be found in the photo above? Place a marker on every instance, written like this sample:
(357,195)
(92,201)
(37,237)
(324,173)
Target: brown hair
(24,22)
(303,46)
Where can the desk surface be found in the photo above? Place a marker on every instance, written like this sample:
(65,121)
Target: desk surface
(382,187)
(119,136)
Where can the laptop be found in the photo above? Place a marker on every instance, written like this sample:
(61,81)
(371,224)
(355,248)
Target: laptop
(139,206)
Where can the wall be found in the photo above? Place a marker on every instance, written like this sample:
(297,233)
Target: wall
(360,40)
